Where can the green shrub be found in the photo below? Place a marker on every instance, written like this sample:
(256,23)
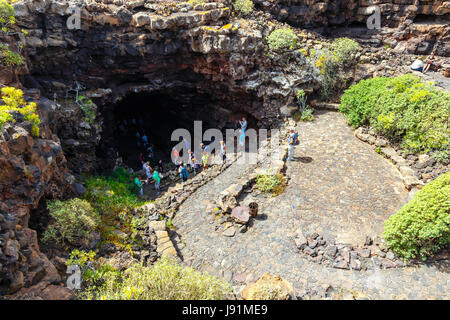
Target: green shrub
(442,156)
(88,107)
(165,280)
(7,15)
(9,57)
(332,63)
(305,115)
(74,221)
(114,198)
(13,106)
(244,6)
(422,226)
(282,39)
(344,49)
(267,291)
(273,183)
(93,273)
(402,108)
(113,195)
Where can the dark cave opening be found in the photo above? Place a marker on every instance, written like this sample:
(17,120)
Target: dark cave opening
(432,19)
(156,115)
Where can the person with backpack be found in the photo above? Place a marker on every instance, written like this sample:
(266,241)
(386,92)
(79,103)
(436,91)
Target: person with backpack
(291,141)
(196,166)
(184,173)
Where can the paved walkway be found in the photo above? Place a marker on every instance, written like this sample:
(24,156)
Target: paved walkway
(338,186)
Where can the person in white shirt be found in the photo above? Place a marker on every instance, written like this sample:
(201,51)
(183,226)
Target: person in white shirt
(417,65)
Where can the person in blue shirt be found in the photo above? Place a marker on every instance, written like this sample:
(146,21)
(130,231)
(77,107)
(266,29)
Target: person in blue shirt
(145,139)
(184,173)
(241,139)
(243,124)
(292,140)
(139,185)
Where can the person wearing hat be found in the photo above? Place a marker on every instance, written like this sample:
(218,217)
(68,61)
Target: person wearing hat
(418,64)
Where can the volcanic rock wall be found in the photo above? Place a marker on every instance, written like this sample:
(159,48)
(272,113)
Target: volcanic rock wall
(136,46)
(31,169)
(409,26)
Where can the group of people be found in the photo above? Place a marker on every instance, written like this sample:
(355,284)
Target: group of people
(421,66)
(193,165)
(153,175)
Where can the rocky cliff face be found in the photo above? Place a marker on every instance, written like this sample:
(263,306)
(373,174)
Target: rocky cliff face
(32,169)
(409,26)
(137,46)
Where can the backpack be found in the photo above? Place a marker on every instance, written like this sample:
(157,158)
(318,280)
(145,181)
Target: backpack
(295,138)
(184,172)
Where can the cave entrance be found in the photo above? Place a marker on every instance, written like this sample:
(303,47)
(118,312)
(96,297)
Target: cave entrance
(157,115)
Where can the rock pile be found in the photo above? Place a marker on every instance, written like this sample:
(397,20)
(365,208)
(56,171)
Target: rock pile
(324,250)
(23,266)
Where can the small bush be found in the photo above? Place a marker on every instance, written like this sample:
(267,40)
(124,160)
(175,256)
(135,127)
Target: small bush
(442,156)
(267,291)
(14,107)
(9,57)
(114,198)
(7,15)
(422,226)
(305,115)
(282,39)
(402,108)
(273,183)
(244,6)
(332,63)
(113,195)
(93,273)
(344,49)
(88,107)
(74,221)
(165,280)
